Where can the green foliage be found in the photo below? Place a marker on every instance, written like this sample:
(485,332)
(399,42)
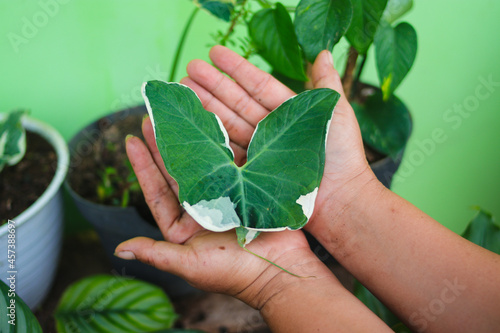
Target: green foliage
(12,139)
(483,231)
(396,49)
(320,24)
(17,316)
(365,21)
(277,186)
(385,125)
(219,8)
(105,303)
(272,32)
(111,181)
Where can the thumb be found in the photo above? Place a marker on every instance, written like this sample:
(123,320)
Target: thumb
(324,75)
(159,254)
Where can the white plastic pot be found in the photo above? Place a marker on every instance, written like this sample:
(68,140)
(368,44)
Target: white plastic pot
(38,230)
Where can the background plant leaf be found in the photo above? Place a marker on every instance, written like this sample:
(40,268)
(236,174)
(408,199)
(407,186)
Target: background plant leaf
(273,34)
(395,52)
(105,303)
(385,125)
(219,8)
(483,231)
(12,139)
(277,186)
(319,24)
(395,9)
(25,320)
(365,21)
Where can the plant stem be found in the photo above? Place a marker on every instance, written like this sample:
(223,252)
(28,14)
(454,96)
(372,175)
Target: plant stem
(233,24)
(181,44)
(347,80)
(358,74)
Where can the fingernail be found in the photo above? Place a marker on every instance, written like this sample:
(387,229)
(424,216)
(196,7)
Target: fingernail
(145,117)
(127,255)
(330,57)
(128,137)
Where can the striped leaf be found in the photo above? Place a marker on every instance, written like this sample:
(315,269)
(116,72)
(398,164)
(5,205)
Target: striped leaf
(16,315)
(105,303)
(12,139)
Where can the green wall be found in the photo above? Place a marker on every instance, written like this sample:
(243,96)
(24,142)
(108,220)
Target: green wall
(71,61)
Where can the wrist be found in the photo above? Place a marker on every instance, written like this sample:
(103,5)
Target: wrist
(328,225)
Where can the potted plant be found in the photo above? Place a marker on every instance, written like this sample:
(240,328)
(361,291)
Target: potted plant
(289,46)
(105,190)
(34,162)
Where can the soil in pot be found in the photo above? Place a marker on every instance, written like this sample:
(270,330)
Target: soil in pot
(108,153)
(22,184)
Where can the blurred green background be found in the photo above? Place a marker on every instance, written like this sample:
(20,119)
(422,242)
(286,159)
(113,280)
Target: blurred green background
(72,61)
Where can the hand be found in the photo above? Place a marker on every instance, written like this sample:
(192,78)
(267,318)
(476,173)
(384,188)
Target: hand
(210,261)
(242,103)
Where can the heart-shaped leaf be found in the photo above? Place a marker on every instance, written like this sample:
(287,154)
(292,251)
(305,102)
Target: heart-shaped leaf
(395,9)
(272,31)
(483,231)
(16,315)
(395,52)
(219,8)
(105,303)
(365,21)
(274,190)
(385,125)
(319,24)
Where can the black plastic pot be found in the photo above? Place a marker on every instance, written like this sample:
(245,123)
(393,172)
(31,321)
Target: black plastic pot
(115,224)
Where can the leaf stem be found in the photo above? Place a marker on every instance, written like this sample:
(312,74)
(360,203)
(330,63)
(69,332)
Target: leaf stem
(358,74)
(272,263)
(347,80)
(181,44)
(234,21)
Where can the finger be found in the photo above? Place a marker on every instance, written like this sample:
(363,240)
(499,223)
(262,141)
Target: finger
(238,129)
(261,86)
(165,256)
(147,131)
(227,91)
(160,198)
(324,75)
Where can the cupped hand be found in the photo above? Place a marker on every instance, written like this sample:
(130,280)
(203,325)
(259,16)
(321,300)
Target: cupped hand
(207,260)
(242,102)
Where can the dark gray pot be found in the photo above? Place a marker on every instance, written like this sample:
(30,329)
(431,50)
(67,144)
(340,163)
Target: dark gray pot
(115,224)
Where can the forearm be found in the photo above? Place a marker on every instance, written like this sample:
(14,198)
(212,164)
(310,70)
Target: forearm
(315,304)
(430,277)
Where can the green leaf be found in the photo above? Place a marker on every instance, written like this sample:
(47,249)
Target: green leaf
(395,52)
(385,125)
(396,9)
(365,296)
(273,34)
(105,303)
(219,8)
(483,231)
(365,21)
(275,189)
(320,24)
(16,315)
(12,139)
